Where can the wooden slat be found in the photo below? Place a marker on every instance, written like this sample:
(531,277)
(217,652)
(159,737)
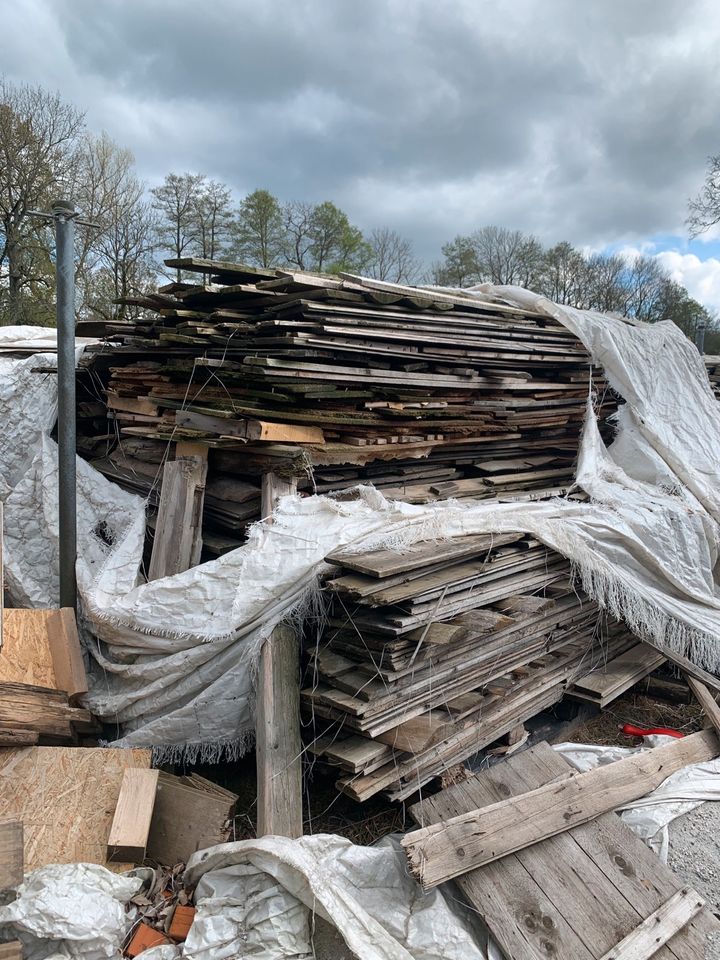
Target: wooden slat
(133,814)
(659,928)
(178,531)
(706,700)
(441,852)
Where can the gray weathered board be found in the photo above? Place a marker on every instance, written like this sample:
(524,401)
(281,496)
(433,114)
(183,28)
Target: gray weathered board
(573,896)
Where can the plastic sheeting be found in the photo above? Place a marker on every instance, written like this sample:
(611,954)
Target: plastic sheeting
(174,660)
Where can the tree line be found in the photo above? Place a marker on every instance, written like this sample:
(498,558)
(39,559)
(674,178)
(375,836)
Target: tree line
(46,152)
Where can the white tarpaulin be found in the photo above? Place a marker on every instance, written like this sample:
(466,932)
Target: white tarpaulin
(174,659)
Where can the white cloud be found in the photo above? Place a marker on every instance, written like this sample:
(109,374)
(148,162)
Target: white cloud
(700,277)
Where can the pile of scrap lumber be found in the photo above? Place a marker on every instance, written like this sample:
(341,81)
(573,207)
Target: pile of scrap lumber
(712,365)
(538,853)
(331,382)
(435,651)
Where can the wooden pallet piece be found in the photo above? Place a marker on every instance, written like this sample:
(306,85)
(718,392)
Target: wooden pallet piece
(609,881)
(444,851)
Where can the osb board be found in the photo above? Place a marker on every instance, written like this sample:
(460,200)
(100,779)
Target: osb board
(41,647)
(65,798)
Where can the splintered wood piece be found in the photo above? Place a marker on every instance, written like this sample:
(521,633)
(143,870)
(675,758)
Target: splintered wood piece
(178,532)
(11,853)
(659,928)
(706,700)
(278,743)
(133,814)
(463,843)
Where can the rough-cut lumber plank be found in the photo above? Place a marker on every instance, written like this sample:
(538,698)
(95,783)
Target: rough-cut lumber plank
(11,853)
(66,797)
(66,652)
(706,700)
(187,817)
(133,813)
(250,429)
(278,744)
(604,685)
(688,667)
(178,532)
(447,850)
(659,928)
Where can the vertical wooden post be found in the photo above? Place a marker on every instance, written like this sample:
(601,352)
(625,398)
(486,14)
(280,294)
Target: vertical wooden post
(278,746)
(277,724)
(274,487)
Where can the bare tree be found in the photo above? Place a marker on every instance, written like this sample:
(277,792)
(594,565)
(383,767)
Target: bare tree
(38,137)
(704,209)
(297,219)
(606,282)
(391,257)
(214,219)
(176,202)
(507,256)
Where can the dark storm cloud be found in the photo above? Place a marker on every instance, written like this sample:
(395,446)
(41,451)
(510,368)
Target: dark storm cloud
(585,121)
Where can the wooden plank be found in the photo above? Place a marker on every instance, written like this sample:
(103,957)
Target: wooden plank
(251,429)
(706,700)
(187,817)
(688,667)
(178,531)
(11,853)
(659,928)
(444,851)
(66,652)
(278,743)
(133,813)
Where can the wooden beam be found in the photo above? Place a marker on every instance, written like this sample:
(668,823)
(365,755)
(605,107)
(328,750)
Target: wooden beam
(278,745)
(11,950)
(178,532)
(274,487)
(11,854)
(706,700)
(449,849)
(688,667)
(131,824)
(660,927)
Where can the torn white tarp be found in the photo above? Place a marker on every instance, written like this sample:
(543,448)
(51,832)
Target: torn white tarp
(174,659)
(74,911)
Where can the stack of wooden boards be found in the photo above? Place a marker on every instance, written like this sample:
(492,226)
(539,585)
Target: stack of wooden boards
(712,365)
(42,676)
(552,871)
(431,652)
(333,381)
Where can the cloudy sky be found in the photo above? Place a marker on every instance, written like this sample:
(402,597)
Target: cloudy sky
(585,120)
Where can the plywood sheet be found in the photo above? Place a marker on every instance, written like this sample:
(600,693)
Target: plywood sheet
(42,648)
(65,798)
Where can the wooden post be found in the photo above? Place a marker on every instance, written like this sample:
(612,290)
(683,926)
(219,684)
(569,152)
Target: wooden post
(178,532)
(274,487)
(278,745)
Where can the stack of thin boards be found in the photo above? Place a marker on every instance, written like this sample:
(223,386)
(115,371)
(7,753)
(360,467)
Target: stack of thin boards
(335,381)
(712,365)
(435,651)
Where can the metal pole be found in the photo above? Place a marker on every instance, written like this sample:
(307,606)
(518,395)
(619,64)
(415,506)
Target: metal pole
(64,213)
(700,337)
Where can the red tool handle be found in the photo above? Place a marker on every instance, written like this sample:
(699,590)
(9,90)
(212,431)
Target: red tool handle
(632,731)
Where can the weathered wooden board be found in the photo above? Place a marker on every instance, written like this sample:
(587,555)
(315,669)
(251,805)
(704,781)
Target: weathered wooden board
(189,815)
(447,850)
(659,928)
(11,853)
